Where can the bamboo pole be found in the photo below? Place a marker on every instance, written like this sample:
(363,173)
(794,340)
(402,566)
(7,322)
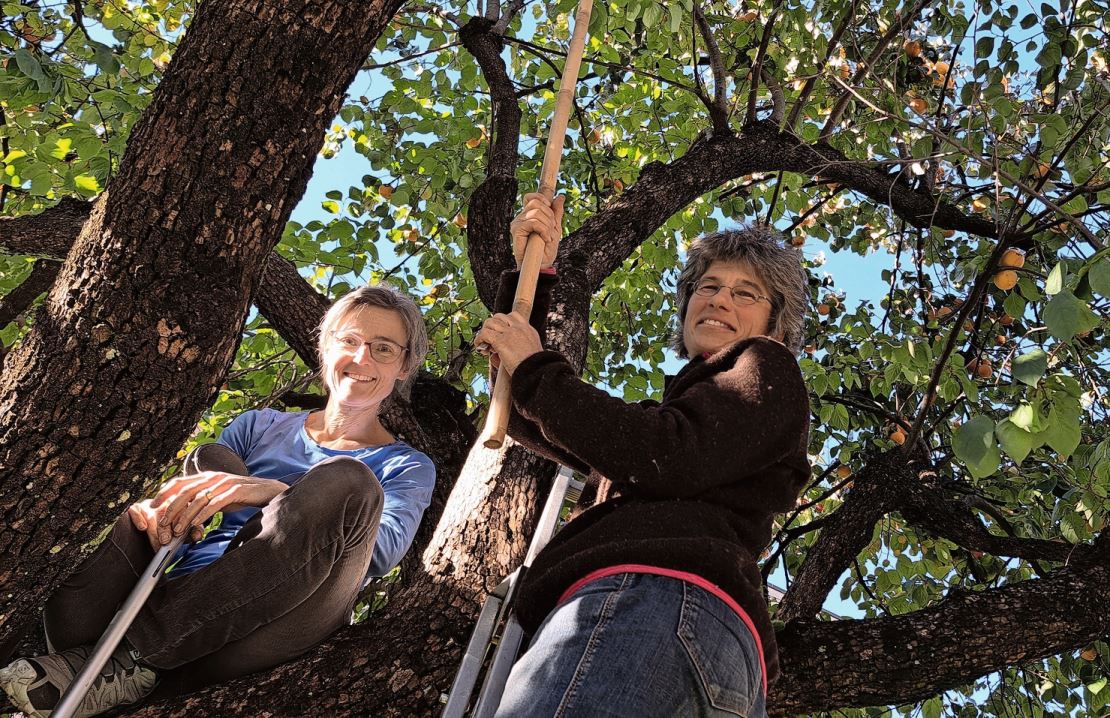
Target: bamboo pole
(497,419)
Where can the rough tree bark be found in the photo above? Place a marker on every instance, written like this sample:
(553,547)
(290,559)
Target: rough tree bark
(144,319)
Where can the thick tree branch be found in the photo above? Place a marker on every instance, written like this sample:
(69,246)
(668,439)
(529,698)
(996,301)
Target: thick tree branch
(847,532)
(926,505)
(718,107)
(292,306)
(47,234)
(968,635)
(16,301)
(284,297)
(663,189)
(492,203)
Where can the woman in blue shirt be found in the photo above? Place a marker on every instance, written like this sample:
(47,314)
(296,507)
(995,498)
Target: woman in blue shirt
(314,504)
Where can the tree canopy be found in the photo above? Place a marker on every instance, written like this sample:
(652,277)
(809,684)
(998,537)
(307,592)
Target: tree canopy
(958,150)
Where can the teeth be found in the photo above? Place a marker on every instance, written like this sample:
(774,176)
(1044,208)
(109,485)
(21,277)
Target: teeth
(715,323)
(360,377)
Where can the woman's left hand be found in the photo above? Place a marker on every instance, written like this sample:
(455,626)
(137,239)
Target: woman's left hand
(511,338)
(185,503)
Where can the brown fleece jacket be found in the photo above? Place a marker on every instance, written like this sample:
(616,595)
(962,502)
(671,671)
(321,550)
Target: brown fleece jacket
(697,477)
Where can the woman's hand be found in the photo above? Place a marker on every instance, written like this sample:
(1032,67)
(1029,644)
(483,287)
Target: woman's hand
(540,217)
(185,503)
(511,338)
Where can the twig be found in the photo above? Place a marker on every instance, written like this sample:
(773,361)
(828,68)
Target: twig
(895,30)
(503,22)
(603,63)
(1091,238)
(399,60)
(834,41)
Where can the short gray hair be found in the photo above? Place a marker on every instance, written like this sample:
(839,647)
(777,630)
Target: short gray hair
(778,265)
(386,297)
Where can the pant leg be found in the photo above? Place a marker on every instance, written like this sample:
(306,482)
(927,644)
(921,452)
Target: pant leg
(83,606)
(289,584)
(638,646)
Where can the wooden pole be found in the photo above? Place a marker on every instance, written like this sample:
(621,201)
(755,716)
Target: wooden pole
(497,419)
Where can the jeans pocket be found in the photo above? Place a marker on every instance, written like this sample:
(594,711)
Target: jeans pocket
(723,658)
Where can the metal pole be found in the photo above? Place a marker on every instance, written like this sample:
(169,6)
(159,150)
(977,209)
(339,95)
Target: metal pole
(71,699)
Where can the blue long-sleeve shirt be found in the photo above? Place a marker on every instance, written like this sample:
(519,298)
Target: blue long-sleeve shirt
(274,445)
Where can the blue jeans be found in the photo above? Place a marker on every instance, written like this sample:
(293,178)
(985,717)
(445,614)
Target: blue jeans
(638,645)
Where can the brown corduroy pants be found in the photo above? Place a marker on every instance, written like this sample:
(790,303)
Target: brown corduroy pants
(289,579)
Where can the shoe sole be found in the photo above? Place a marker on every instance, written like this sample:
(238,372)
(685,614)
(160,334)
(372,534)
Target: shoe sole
(15,680)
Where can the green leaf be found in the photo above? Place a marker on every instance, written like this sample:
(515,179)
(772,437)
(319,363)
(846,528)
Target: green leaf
(28,65)
(1072,528)
(1014,305)
(61,148)
(1030,367)
(1065,316)
(1062,431)
(975,446)
(104,57)
(1017,443)
(87,183)
(676,17)
(1026,417)
(1099,277)
(1055,281)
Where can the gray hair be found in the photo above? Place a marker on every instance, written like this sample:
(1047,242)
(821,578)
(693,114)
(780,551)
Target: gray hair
(778,265)
(386,297)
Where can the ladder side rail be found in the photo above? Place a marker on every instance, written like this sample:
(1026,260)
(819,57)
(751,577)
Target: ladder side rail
(471,666)
(497,676)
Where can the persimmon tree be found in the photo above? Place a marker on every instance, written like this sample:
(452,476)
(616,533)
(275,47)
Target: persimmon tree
(956,517)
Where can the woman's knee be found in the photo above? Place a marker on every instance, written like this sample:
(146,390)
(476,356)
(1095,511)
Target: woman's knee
(341,479)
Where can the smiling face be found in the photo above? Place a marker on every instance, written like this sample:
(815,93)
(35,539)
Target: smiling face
(713,323)
(354,378)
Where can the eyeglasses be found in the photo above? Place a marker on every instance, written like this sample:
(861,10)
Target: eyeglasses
(743,297)
(383,351)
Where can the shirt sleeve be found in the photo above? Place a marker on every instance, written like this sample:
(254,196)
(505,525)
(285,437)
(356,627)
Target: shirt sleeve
(239,434)
(407,494)
(734,423)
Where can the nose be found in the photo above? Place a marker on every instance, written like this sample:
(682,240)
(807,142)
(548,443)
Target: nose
(362,353)
(718,299)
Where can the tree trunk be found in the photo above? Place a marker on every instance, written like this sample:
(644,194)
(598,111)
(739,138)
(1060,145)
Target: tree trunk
(143,322)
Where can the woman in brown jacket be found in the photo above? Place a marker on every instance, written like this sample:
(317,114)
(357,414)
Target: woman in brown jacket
(650,603)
